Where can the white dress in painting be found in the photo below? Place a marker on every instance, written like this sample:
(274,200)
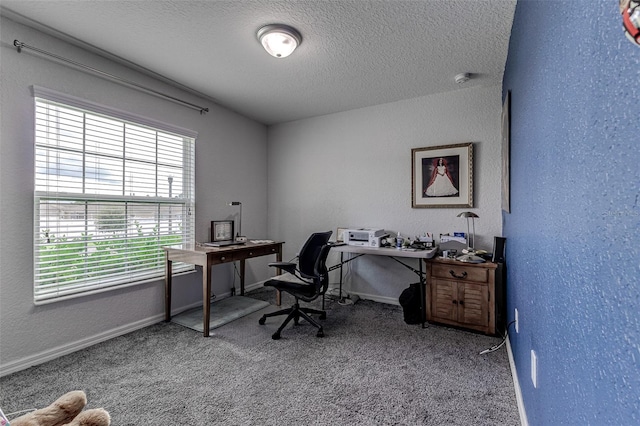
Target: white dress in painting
(441,186)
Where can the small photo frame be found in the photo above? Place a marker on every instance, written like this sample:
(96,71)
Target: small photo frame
(221,230)
(442,176)
(340,235)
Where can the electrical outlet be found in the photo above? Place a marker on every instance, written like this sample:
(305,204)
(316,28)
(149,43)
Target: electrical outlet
(534,368)
(516,320)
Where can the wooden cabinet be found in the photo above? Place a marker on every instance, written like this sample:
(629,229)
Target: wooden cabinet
(463,294)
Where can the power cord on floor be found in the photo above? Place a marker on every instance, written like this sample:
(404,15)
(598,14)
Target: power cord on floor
(347,299)
(233,283)
(498,346)
(333,292)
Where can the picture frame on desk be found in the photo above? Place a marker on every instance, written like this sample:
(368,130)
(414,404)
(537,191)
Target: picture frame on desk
(442,176)
(221,230)
(340,235)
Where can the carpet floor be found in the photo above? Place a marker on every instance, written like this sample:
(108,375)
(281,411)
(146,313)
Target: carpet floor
(371,368)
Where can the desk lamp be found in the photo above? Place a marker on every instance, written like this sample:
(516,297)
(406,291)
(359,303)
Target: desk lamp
(239,236)
(470,255)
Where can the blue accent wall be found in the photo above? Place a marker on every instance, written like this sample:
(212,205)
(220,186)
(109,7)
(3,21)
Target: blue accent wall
(573,239)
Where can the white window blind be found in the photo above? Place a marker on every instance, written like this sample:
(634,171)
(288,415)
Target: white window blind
(109,193)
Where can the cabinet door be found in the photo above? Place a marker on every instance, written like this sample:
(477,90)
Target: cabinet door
(444,299)
(473,304)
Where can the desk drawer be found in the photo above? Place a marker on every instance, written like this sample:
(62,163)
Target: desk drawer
(261,251)
(460,273)
(222,257)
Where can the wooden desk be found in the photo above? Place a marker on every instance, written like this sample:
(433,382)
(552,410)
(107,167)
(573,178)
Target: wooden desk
(207,257)
(394,254)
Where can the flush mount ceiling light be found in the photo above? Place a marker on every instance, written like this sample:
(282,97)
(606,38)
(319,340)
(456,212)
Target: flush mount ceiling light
(279,40)
(462,77)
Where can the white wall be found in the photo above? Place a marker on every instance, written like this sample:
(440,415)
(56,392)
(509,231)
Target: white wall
(230,153)
(354,169)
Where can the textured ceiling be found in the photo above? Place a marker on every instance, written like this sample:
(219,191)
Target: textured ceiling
(354,53)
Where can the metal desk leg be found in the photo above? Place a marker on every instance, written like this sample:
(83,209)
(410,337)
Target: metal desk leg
(341,262)
(279,272)
(423,303)
(167,287)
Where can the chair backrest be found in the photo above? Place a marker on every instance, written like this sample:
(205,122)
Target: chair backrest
(322,275)
(310,253)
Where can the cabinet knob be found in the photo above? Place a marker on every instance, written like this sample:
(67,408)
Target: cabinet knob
(462,276)
(455,302)
(222,258)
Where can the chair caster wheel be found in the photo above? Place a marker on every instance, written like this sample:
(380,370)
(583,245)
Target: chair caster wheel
(275,336)
(323,316)
(320,333)
(262,320)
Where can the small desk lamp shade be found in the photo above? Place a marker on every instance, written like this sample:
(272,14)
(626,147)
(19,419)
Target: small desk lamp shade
(470,256)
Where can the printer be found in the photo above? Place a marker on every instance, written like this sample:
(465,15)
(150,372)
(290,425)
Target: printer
(368,237)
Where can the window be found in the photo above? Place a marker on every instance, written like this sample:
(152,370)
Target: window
(110,190)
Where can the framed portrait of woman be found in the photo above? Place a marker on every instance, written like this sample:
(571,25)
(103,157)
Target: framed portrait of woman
(442,176)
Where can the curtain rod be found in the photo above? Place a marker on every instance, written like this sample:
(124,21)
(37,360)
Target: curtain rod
(19,45)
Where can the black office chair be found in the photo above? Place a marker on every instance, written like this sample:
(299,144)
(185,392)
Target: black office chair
(313,282)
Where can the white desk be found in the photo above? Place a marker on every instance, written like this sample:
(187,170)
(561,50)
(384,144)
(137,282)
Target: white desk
(386,251)
(393,253)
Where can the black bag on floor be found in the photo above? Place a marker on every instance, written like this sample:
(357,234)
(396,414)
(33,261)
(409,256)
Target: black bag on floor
(410,302)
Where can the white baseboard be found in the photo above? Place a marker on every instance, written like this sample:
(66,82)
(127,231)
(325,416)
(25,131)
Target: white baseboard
(57,352)
(377,298)
(516,385)
(53,353)
(334,291)
(259,284)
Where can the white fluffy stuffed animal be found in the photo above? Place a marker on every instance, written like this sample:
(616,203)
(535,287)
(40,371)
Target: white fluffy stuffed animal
(65,411)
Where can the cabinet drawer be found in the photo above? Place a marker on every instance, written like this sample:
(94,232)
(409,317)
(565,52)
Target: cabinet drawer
(460,273)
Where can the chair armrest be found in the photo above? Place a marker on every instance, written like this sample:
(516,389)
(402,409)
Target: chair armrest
(287,266)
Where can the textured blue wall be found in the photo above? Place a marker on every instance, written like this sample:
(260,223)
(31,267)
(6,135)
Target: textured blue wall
(573,240)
